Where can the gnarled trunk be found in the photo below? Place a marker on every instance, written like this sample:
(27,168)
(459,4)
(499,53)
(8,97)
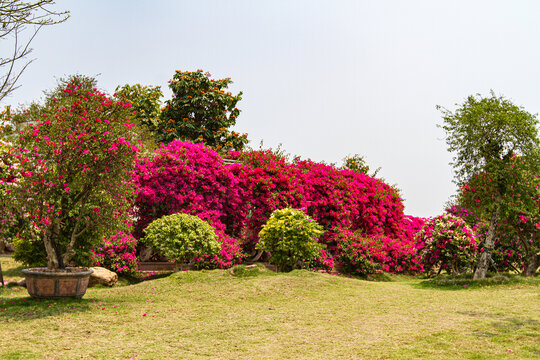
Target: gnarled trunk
(52,247)
(489,244)
(52,259)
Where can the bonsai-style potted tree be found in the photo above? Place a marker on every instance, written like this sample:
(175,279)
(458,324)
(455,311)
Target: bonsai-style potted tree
(74,159)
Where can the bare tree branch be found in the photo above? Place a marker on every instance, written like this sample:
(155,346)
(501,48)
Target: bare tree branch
(15,17)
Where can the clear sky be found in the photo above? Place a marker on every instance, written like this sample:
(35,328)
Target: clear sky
(325,79)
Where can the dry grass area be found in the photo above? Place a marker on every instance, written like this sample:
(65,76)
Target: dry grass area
(256,314)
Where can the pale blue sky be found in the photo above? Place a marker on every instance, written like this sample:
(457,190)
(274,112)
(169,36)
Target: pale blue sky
(324,78)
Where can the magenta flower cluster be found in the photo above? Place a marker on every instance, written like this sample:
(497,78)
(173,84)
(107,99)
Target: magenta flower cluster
(238,199)
(446,242)
(357,254)
(117,253)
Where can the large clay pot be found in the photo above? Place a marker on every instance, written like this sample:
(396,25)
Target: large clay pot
(43,283)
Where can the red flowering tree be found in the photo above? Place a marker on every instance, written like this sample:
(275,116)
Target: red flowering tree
(201,110)
(75,161)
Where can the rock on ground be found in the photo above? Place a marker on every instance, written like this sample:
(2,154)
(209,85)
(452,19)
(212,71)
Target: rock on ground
(102,276)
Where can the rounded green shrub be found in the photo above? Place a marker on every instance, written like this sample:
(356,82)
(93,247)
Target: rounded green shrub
(183,238)
(29,253)
(291,237)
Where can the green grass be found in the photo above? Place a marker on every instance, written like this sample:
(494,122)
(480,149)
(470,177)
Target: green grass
(254,313)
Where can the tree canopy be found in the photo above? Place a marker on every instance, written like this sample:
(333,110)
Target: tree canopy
(201,110)
(486,133)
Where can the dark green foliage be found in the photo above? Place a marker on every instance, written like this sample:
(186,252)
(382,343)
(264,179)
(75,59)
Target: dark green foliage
(201,111)
(30,253)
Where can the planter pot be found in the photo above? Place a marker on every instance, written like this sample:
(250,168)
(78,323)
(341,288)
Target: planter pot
(43,283)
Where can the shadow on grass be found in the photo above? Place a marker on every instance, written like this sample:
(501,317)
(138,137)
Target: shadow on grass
(126,280)
(466,281)
(14,308)
(13,271)
(501,325)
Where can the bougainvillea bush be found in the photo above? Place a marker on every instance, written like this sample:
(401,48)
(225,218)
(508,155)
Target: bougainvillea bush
(447,242)
(335,198)
(292,239)
(359,254)
(238,199)
(117,253)
(353,254)
(266,182)
(75,161)
(188,178)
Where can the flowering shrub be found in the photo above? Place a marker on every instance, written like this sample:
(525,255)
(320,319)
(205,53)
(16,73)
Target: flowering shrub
(231,252)
(333,197)
(75,161)
(183,238)
(117,253)
(188,178)
(291,237)
(353,254)
(448,242)
(266,183)
(359,254)
(238,199)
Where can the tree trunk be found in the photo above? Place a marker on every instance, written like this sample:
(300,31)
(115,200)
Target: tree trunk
(50,240)
(52,259)
(534,262)
(485,258)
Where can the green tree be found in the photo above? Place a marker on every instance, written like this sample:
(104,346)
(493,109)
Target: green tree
(146,102)
(358,164)
(201,111)
(485,133)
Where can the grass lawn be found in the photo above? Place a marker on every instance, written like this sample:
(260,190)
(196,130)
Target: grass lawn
(257,314)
